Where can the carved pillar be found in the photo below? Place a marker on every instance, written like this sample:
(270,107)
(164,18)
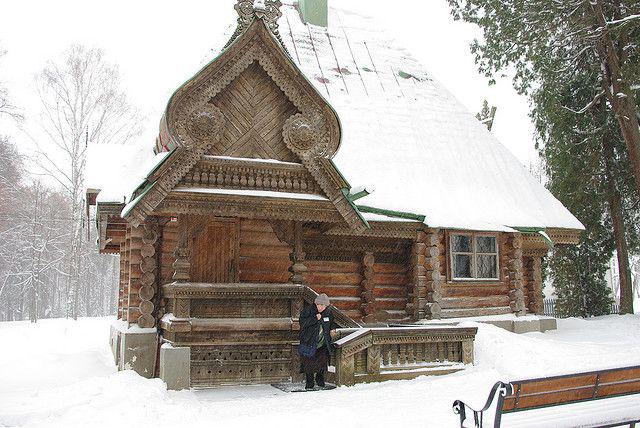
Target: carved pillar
(149,269)
(532,263)
(467,351)
(135,274)
(297,256)
(432,273)
(373,360)
(182,253)
(515,274)
(418,291)
(368,299)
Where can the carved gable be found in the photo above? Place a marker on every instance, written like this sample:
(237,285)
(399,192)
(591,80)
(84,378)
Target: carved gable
(251,102)
(255,110)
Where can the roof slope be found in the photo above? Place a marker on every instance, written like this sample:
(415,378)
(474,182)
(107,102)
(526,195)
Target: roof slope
(409,138)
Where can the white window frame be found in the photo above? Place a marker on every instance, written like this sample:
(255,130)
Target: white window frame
(474,254)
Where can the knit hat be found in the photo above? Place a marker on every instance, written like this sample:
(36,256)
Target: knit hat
(322,299)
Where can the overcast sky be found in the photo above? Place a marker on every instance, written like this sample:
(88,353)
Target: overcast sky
(158,44)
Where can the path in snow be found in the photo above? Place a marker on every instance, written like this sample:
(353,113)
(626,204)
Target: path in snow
(60,373)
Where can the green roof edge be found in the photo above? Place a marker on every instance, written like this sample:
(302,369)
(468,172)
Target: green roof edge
(130,206)
(390,213)
(345,192)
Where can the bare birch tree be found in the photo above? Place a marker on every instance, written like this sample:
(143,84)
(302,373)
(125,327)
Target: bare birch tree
(6,107)
(82,103)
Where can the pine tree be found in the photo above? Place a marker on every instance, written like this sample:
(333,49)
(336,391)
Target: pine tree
(559,59)
(540,38)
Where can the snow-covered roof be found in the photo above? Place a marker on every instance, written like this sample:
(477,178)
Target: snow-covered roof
(408,137)
(116,170)
(403,134)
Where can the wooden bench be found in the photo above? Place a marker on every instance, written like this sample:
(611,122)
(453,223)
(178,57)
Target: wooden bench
(529,395)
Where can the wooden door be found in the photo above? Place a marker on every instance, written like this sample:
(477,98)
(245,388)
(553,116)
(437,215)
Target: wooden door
(215,252)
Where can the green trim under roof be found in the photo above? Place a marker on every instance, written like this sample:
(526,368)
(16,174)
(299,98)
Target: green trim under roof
(390,213)
(131,205)
(156,167)
(345,192)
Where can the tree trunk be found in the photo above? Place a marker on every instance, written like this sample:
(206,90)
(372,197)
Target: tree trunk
(618,91)
(619,232)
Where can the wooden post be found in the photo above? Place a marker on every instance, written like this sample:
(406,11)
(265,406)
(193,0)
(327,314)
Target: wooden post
(125,275)
(135,274)
(123,280)
(516,277)
(297,256)
(533,267)
(467,351)
(148,267)
(426,294)
(345,368)
(368,299)
(373,360)
(433,277)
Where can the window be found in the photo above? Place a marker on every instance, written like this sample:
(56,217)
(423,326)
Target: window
(474,256)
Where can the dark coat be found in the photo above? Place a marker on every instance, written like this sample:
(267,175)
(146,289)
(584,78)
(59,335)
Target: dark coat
(310,326)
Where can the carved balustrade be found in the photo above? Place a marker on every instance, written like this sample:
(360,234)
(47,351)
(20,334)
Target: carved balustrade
(379,354)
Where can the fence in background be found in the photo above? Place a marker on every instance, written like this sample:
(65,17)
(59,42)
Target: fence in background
(550,308)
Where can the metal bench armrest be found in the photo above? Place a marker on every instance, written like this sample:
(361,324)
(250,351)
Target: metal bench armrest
(502,389)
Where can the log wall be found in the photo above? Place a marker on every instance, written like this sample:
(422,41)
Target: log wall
(262,256)
(340,280)
(475,298)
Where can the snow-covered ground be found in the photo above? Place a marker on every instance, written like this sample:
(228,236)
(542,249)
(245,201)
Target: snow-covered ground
(59,373)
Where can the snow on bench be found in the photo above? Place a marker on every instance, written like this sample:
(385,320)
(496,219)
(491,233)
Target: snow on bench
(604,398)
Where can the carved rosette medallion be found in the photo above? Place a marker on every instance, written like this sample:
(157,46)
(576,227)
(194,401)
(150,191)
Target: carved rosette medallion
(307,135)
(203,127)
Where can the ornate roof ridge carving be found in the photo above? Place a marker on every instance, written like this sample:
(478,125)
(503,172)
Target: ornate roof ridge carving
(250,10)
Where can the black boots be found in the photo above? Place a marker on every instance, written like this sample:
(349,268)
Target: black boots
(319,380)
(309,384)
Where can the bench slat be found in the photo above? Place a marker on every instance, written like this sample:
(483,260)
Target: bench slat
(618,375)
(620,388)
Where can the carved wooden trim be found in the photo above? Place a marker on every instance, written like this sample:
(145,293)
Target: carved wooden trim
(248,207)
(194,125)
(251,175)
(147,291)
(382,229)
(564,236)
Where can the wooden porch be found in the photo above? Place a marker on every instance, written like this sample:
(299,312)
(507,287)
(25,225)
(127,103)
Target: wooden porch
(247,333)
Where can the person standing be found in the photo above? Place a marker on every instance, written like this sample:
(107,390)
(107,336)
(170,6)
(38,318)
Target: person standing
(317,329)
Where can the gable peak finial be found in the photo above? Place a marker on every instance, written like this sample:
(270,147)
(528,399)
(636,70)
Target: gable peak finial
(249,10)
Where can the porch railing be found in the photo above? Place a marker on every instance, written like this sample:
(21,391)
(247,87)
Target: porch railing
(379,354)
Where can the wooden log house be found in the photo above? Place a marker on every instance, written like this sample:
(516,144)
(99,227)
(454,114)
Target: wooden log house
(313,155)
